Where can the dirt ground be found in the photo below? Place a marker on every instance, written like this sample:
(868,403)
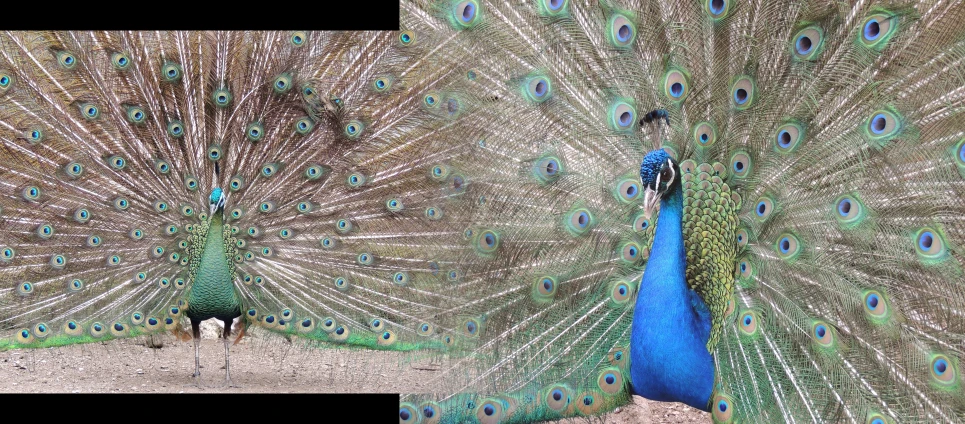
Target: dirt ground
(259,364)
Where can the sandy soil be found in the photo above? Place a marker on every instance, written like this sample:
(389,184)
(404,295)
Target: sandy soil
(259,364)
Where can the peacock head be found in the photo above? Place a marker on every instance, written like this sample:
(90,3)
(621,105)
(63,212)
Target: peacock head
(658,173)
(216,200)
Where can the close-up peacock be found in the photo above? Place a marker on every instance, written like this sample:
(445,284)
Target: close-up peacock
(753,207)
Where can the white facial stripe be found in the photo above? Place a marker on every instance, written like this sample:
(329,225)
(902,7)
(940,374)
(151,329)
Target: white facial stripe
(673,174)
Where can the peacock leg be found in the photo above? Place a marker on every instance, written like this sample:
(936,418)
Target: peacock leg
(224,335)
(196,333)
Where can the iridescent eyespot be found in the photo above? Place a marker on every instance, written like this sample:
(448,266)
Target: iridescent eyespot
(7,254)
(487,241)
(343,225)
(81,215)
(704,134)
(6,80)
(877,29)
(381,84)
(627,190)
(788,137)
(353,129)
(90,111)
(120,61)
(254,131)
(622,32)
(453,275)
(717,8)
(610,380)
(341,283)
(943,370)
(25,288)
(406,38)
(298,38)
(930,244)
(191,183)
(160,206)
(641,222)
(175,129)
(31,193)
(788,246)
(282,83)
(34,135)
(749,323)
(544,288)
(171,72)
(121,204)
(365,259)
(58,261)
(394,205)
(722,408)
(578,221)
(214,152)
(439,172)
(676,85)
(471,327)
(883,125)
(136,234)
(136,115)
(433,213)
(822,334)
(553,7)
(162,166)
(848,210)
(808,43)
(400,278)
(876,305)
(622,116)
(741,164)
(221,97)
(304,125)
(269,169)
(745,272)
(547,169)
(66,60)
(75,285)
(620,293)
(465,13)
(45,231)
(407,413)
(630,252)
(743,92)
(537,89)
(314,172)
(557,397)
(764,208)
(743,236)
(266,207)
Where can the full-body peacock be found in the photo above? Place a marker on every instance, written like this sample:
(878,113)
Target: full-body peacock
(751,207)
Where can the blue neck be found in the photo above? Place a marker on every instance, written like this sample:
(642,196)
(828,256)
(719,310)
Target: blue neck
(671,324)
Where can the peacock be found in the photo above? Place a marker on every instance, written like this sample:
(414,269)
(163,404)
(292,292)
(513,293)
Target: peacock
(751,207)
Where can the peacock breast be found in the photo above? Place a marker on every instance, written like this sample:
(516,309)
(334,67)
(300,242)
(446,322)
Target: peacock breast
(212,293)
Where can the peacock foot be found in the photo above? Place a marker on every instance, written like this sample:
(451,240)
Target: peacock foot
(228,384)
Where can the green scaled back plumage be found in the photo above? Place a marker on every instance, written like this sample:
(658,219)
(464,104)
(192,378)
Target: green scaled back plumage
(469,188)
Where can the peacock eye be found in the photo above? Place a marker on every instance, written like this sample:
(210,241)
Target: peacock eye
(665,174)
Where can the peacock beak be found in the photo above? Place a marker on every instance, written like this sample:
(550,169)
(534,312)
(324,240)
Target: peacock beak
(650,199)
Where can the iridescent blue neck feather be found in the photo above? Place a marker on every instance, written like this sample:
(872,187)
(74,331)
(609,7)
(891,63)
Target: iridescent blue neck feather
(671,324)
